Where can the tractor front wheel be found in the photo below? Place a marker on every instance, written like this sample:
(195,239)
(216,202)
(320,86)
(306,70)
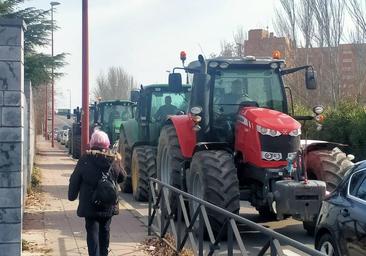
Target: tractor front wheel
(213,177)
(143,166)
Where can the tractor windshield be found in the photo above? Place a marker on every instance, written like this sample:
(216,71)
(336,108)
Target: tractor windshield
(114,111)
(235,86)
(164,104)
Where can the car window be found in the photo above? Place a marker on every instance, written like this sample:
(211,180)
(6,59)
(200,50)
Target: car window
(357,185)
(361,192)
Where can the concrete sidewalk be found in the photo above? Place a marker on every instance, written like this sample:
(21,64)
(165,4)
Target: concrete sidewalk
(55,226)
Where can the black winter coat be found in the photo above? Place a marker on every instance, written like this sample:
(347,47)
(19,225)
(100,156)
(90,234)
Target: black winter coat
(84,180)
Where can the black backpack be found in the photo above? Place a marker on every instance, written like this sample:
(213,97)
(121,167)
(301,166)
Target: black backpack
(105,193)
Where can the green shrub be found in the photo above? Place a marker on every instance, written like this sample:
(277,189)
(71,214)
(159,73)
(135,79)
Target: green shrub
(344,124)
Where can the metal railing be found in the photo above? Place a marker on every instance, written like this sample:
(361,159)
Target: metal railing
(159,205)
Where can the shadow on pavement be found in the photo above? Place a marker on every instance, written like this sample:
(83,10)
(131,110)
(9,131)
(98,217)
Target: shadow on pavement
(52,166)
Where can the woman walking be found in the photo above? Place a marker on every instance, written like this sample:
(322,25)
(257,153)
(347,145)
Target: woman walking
(88,172)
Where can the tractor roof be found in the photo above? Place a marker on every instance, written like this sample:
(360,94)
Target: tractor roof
(248,61)
(116,102)
(153,86)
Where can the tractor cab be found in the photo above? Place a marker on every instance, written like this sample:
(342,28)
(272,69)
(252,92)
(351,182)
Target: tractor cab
(223,87)
(154,104)
(110,114)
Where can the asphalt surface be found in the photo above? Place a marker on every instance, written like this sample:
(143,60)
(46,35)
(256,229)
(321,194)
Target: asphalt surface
(61,121)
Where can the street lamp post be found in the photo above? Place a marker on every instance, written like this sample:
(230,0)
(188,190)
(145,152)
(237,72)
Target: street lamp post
(46,114)
(85,78)
(53,77)
(69,90)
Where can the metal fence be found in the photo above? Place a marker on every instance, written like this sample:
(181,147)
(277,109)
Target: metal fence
(160,211)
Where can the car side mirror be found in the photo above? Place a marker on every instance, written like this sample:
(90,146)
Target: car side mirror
(310,79)
(68,116)
(135,95)
(175,82)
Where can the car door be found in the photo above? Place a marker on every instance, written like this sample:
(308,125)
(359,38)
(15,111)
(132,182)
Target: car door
(352,219)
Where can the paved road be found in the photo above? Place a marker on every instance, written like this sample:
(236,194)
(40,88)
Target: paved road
(61,121)
(253,240)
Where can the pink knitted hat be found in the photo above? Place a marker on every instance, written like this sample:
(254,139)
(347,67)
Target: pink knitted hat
(99,139)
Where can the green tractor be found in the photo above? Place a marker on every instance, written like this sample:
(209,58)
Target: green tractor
(139,135)
(110,114)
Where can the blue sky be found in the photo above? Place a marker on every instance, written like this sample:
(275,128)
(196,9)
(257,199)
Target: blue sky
(145,36)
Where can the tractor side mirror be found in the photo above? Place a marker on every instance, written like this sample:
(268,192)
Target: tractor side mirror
(135,95)
(310,79)
(175,82)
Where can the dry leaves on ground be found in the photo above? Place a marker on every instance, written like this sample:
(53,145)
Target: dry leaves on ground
(157,247)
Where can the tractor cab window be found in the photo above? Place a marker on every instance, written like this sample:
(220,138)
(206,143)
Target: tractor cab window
(235,87)
(164,104)
(260,86)
(110,112)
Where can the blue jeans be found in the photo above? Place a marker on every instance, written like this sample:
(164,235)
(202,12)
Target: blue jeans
(97,235)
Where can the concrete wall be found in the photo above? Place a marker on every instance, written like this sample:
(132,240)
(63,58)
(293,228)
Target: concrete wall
(29,136)
(12,102)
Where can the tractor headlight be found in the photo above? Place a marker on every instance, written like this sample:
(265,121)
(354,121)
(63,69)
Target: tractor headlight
(266,131)
(271,156)
(295,132)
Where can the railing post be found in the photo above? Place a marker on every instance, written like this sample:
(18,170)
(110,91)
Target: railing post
(200,230)
(229,239)
(162,212)
(179,220)
(149,221)
(273,248)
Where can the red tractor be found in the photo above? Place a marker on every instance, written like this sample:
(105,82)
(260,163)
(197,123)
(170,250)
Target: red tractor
(238,142)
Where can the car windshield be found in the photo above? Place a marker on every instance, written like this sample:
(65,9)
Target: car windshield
(235,86)
(168,103)
(114,111)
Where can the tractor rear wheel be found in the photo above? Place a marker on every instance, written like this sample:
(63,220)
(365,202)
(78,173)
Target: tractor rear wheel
(212,177)
(169,162)
(143,166)
(328,165)
(125,152)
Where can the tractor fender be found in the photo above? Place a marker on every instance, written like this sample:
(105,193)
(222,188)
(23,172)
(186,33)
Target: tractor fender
(312,145)
(183,125)
(130,129)
(201,146)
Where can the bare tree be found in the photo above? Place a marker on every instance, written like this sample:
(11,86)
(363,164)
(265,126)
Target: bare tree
(330,18)
(239,39)
(227,49)
(357,10)
(116,84)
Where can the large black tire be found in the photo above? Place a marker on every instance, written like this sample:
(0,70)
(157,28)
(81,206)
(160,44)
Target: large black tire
(329,166)
(213,177)
(143,166)
(309,226)
(326,244)
(266,213)
(169,162)
(126,153)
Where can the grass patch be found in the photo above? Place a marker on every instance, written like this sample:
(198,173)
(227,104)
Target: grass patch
(35,183)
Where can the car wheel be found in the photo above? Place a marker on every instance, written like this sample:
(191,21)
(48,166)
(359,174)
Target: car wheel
(327,245)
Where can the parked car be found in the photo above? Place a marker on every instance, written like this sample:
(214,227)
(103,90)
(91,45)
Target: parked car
(59,135)
(64,137)
(341,224)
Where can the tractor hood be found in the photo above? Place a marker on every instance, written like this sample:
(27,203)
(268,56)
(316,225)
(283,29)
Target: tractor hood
(270,119)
